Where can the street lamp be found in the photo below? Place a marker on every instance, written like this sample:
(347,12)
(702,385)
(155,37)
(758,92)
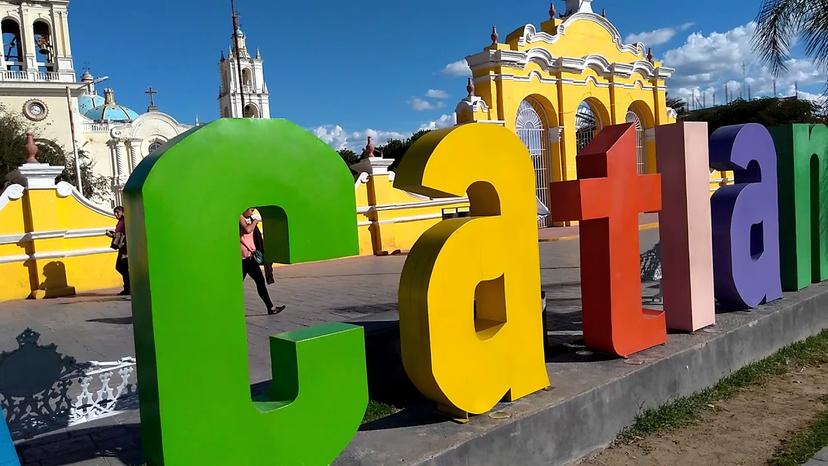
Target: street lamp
(75,153)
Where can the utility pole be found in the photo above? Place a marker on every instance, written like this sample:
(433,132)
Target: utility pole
(238,53)
(775,95)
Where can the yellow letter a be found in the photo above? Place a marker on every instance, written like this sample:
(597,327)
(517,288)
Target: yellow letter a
(470,309)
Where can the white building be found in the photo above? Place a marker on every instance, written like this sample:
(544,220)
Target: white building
(251,85)
(38,80)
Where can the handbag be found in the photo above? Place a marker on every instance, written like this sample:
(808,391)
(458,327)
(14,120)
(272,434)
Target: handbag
(257,255)
(118,241)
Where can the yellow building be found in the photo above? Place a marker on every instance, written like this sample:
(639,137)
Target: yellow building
(556,86)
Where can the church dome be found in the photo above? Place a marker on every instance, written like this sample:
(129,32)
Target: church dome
(109,110)
(87,102)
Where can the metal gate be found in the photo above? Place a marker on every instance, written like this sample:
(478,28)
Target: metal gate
(641,154)
(531,129)
(586,126)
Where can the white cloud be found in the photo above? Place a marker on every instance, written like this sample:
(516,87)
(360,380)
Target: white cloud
(437,94)
(443,122)
(338,138)
(422,105)
(658,36)
(334,135)
(458,68)
(705,64)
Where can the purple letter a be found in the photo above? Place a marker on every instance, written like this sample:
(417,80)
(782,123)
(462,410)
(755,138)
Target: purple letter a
(745,219)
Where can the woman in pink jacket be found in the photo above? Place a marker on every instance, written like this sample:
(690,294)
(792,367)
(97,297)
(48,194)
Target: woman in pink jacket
(252,259)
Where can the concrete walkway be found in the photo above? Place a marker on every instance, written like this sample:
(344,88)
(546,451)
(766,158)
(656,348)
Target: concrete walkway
(820,459)
(97,327)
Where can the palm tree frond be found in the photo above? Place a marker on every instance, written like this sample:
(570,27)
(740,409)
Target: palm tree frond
(777,23)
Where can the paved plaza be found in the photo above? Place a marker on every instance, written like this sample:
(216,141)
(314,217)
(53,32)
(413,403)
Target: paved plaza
(97,327)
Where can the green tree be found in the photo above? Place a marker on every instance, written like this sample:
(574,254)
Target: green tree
(781,22)
(678,104)
(396,149)
(769,112)
(350,157)
(12,154)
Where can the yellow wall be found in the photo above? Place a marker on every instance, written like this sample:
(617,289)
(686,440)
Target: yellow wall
(52,244)
(391,220)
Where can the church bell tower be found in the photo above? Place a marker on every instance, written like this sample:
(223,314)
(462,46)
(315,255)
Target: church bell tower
(242,91)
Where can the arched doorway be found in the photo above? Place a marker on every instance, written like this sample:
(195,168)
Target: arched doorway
(587,124)
(640,147)
(532,127)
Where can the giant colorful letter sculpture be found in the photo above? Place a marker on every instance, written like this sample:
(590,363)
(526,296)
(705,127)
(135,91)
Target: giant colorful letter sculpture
(470,317)
(685,227)
(183,207)
(745,218)
(8,455)
(607,198)
(802,152)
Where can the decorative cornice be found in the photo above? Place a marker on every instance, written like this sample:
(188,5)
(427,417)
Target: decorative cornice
(65,189)
(531,35)
(516,59)
(11,193)
(55,255)
(65,234)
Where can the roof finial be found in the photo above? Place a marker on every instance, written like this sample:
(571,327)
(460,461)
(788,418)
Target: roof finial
(197,121)
(604,12)
(552,10)
(470,88)
(494,35)
(369,148)
(650,54)
(31,149)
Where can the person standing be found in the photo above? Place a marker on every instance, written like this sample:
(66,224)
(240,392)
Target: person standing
(253,259)
(119,244)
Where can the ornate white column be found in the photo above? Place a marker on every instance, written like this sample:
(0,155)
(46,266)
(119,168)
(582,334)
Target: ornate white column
(134,153)
(120,174)
(555,134)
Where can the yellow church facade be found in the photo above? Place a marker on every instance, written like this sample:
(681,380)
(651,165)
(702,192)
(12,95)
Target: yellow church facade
(557,85)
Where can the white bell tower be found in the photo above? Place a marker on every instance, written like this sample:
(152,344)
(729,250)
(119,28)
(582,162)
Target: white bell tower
(244,96)
(35,41)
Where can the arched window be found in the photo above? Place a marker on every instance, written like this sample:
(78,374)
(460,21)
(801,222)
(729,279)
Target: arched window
(44,45)
(247,80)
(12,47)
(587,125)
(251,111)
(640,147)
(155,145)
(532,129)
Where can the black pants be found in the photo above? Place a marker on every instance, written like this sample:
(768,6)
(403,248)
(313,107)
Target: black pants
(122,266)
(250,267)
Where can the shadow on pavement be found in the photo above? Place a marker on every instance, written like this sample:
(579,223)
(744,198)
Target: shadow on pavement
(113,320)
(118,441)
(34,386)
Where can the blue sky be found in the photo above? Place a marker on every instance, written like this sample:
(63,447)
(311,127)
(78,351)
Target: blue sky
(347,69)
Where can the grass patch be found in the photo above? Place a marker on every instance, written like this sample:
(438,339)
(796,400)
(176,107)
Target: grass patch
(688,410)
(378,410)
(804,445)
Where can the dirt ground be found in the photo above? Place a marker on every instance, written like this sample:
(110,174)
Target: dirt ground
(746,429)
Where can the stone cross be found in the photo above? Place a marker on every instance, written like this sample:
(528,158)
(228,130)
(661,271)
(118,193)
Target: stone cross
(151,93)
